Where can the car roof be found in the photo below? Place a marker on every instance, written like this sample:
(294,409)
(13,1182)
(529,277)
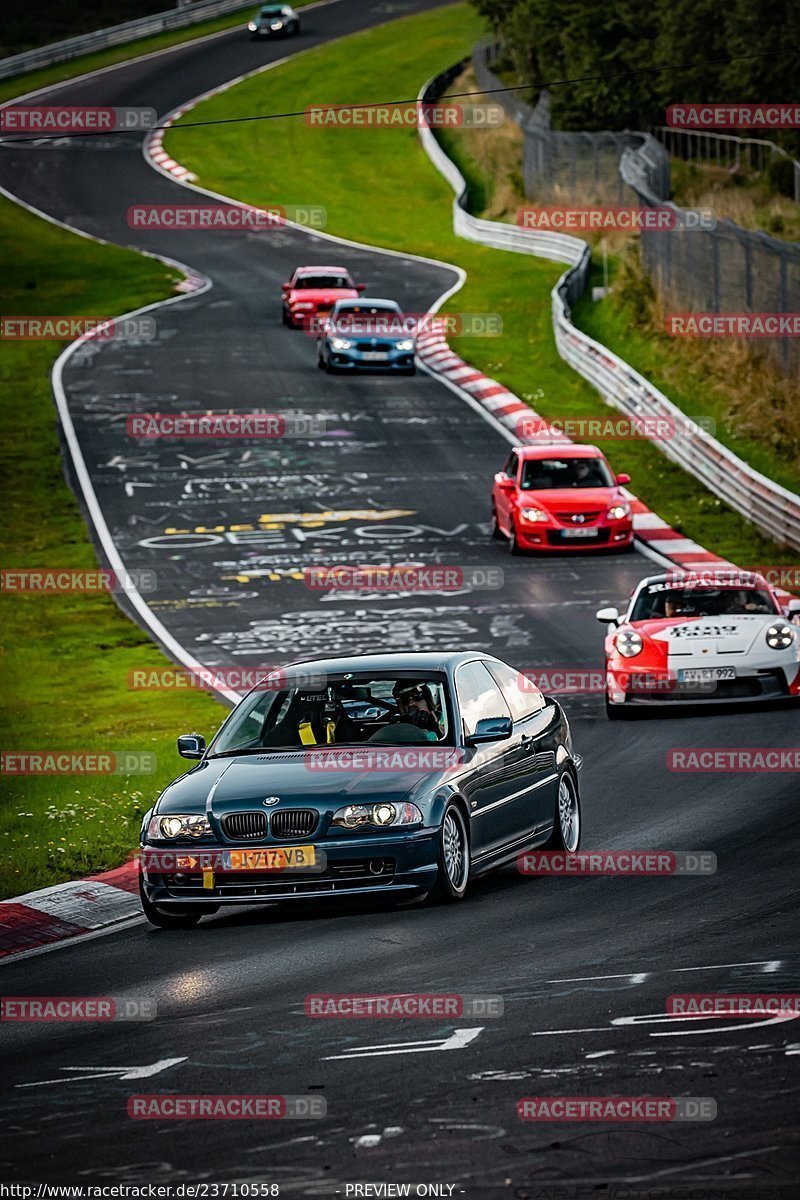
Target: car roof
(409,661)
(317,270)
(565,449)
(366,301)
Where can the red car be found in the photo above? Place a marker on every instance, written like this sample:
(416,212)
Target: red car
(560,497)
(313,291)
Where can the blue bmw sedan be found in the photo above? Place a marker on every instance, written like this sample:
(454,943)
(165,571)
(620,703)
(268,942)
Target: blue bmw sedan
(398,774)
(367,335)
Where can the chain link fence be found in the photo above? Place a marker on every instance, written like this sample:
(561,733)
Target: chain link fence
(726,269)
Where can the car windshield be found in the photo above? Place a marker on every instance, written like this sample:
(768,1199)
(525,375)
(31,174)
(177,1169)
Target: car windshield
(348,709)
(663,600)
(322,281)
(544,474)
(274,10)
(371,319)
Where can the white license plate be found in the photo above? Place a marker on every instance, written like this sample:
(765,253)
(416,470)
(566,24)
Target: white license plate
(375,355)
(579,533)
(705,674)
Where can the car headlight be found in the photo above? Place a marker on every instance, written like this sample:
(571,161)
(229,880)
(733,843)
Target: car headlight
(353,816)
(252,27)
(175,825)
(408,344)
(780,636)
(533,514)
(338,343)
(629,643)
(276,25)
(618,511)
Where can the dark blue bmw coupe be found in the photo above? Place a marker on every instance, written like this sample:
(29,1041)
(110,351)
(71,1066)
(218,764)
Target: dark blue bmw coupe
(400,774)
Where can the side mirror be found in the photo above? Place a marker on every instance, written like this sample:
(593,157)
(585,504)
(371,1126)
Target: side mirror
(191,745)
(286,287)
(490,729)
(609,616)
(623,478)
(505,482)
(360,287)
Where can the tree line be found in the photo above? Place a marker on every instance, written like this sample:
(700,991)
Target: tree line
(628,61)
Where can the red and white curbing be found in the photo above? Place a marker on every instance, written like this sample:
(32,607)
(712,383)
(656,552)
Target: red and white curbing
(68,910)
(156,151)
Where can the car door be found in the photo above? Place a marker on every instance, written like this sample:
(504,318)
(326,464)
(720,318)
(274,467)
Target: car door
(505,487)
(532,807)
(489,785)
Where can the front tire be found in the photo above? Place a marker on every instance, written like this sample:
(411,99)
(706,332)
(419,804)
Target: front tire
(454,858)
(178,918)
(514,548)
(615,712)
(566,835)
(497,533)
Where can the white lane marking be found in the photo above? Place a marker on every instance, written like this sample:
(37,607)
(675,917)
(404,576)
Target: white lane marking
(705,1162)
(110,1072)
(457,1041)
(770,965)
(660,1018)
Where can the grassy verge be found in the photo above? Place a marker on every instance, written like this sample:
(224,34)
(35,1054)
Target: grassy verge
(752,202)
(66,657)
(59,72)
(379,187)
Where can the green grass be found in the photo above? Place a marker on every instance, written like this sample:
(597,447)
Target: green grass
(34,80)
(66,657)
(379,187)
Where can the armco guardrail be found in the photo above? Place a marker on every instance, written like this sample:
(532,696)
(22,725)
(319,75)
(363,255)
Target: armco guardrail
(116,35)
(771,508)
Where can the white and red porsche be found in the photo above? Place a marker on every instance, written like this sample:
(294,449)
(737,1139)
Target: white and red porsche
(700,638)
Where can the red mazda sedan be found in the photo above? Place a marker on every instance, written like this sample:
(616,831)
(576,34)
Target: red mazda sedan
(560,497)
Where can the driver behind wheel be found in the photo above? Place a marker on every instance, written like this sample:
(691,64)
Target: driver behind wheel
(415,720)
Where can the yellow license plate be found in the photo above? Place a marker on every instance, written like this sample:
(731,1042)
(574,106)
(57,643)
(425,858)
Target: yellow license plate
(278,858)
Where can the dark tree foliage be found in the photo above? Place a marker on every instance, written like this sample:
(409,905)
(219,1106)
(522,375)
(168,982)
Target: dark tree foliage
(600,46)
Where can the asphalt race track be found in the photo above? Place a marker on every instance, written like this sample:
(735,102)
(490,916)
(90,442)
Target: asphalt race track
(583,965)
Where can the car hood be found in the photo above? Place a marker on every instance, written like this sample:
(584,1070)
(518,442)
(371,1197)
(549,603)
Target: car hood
(226,785)
(689,635)
(560,500)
